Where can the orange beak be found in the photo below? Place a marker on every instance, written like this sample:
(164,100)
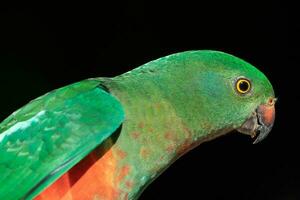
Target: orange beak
(261,121)
(266,118)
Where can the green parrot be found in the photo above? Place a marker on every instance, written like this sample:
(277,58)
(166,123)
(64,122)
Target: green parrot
(109,138)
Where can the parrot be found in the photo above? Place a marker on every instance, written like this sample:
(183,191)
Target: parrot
(108,138)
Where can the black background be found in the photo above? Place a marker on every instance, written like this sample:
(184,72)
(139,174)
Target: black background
(43,47)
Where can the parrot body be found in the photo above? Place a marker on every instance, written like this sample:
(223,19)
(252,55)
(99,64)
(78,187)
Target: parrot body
(108,138)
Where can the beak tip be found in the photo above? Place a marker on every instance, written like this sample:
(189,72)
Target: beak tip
(263,132)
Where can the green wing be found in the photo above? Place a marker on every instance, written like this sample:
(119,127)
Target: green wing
(45,138)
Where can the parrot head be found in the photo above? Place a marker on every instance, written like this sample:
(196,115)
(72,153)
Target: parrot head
(240,95)
(218,91)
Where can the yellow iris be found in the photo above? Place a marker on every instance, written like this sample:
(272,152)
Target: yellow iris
(243,86)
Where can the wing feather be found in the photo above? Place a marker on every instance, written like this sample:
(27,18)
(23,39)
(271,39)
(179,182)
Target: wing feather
(45,138)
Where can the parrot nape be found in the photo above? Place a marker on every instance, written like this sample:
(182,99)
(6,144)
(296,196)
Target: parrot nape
(108,138)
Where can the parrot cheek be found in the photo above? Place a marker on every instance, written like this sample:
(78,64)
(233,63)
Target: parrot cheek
(260,123)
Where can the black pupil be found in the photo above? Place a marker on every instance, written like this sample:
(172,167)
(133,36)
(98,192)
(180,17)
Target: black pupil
(244,86)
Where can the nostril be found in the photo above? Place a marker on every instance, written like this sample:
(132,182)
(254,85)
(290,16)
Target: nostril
(272,101)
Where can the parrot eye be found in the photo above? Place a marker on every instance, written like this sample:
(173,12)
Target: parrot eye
(243,85)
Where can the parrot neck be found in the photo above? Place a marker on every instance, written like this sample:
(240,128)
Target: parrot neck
(153,135)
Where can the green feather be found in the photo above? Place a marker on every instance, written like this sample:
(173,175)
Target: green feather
(172,104)
(48,136)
